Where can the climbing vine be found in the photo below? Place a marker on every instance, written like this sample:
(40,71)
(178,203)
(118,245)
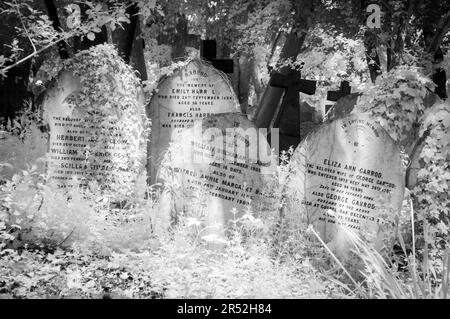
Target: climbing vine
(398,101)
(111,101)
(402,102)
(432,191)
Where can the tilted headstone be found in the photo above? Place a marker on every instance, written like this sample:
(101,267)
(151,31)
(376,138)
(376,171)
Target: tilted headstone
(191,93)
(222,162)
(348,170)
(96,121)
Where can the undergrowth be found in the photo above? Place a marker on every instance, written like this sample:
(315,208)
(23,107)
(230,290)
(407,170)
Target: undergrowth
(79,244)
(57,247)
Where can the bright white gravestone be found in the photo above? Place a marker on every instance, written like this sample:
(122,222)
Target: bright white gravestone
(191,93)
(219,169)
(349,172)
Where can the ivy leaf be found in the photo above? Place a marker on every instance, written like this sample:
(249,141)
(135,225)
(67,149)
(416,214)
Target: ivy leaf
(91,36)
(427,153)
(73,20)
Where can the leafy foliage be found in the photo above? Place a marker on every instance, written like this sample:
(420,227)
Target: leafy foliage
(332,57)
(397,101)
(431,193)
(24,144)
(400,101)
(111,100)
(54,247)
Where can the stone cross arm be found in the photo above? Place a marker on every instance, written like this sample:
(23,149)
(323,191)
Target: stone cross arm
(344,90)
(294,82)
(208,51)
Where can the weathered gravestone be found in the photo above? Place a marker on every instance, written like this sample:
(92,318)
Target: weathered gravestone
(191,93)
(96,121)
(348,171)
(221,163)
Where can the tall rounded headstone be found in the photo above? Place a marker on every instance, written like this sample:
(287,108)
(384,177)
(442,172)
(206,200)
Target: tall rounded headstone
(97,124)
(191,93)
(346,172)
(219,169)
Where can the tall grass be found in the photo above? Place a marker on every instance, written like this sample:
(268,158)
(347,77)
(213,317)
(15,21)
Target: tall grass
(382,279)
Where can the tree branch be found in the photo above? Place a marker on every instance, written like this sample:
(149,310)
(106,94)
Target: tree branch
(402,27)
(441,30)
(2,71)
(24,26)
(272,50)
(53,14)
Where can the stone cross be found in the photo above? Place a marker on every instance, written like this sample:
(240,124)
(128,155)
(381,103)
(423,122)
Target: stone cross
(208,51)
(288,116)
(333,96)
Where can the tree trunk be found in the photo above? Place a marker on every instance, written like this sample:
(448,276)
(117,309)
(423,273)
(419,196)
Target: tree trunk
(53,15)
(179,38)
(245,76)
(370,42)
(435,26)
(13,87)
(129,43)
(292,45)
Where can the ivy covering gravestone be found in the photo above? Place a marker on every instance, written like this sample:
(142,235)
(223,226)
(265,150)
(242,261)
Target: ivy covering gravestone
(97,124)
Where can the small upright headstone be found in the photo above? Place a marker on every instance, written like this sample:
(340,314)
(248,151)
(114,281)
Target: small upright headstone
(221,163)
(191,93)
(96,121)
(348,171)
